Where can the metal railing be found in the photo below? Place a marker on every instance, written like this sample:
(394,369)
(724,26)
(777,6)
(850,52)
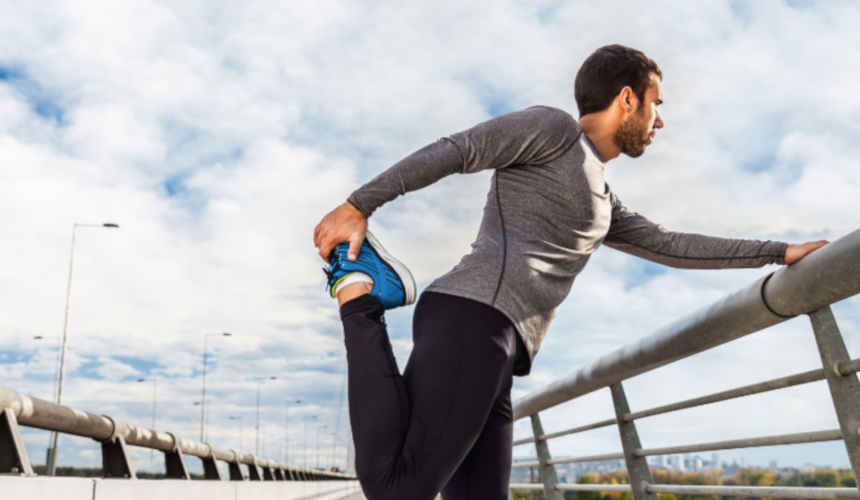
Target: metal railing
(115,436)
(823,277)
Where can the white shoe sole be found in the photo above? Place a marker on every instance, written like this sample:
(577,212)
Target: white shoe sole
(410,290)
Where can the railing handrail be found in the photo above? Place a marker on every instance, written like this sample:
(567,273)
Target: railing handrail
(42,414)
(829,274)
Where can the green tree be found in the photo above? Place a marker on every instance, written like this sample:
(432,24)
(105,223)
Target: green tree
(588,495)
(826,477)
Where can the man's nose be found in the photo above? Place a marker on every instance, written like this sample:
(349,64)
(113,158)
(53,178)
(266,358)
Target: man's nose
(658,123)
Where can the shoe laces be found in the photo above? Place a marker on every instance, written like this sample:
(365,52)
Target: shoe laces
(330,273)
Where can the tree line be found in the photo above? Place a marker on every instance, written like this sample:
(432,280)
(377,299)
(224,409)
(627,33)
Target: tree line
(824,477)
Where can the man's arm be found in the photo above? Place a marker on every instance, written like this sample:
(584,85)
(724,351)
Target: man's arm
(632,233)
(534,135)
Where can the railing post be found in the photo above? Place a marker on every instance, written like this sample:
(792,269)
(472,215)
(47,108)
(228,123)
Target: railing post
(174,462)
(253,471)
(547,470)
(267,473)
(174,465)
(235,472)
(844,389)
(115,461)
(637,466)
(210,467)
(13,454)
(234,468)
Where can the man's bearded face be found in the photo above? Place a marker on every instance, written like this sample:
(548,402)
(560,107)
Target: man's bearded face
(634,134)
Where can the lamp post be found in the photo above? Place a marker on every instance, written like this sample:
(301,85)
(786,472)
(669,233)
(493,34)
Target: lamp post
(260,382)
(317,445)
(203,398)
(154,408)
(53,390)
(56,366)
(52,451)
(287,427)
(306,461)
(333,459)
(239,418)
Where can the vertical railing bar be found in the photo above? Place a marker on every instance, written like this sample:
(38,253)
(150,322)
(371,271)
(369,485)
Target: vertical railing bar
(844,389)
(637,466)
(547,470)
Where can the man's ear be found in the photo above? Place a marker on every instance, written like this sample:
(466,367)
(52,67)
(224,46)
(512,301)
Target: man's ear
(627,100)
(628,96)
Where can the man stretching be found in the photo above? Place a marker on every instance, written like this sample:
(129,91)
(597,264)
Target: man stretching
(446,423)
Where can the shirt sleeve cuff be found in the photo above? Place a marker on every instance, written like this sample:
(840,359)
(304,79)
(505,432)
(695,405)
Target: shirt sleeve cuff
(778,248)
(355,203)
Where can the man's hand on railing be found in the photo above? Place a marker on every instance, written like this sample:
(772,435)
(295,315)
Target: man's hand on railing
(795,252)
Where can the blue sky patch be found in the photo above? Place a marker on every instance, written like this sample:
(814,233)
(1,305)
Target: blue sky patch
(643,273)
(175,185)
(141,365)
(742,10)
(8,73)
(41,101)
(494,99)
(760,164)
(546,13)
(89,369)
(9,357)
(800,4)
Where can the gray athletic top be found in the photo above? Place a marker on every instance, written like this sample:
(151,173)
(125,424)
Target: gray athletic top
(547,211)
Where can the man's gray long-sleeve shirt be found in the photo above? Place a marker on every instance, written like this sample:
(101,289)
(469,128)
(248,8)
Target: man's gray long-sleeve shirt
(548,209)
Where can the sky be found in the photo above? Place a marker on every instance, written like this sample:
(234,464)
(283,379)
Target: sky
(217,134)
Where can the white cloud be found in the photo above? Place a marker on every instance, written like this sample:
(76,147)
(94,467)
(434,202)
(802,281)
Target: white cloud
(265,116)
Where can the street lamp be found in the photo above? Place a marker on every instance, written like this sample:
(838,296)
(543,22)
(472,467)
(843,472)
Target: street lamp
(203,399)
(317,445)
(305,460)
(53,388)
(287,427)
(56,366)
(154,408)
(239,418)
(333,459)
(52,453)
(260,382)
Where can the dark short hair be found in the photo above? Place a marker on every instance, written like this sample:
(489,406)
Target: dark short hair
(608,70)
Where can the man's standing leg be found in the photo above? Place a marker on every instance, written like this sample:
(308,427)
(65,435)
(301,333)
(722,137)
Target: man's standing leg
(486,471)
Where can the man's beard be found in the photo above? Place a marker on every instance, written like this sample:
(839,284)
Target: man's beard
(631,136)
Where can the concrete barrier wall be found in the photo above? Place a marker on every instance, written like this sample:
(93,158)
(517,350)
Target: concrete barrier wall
(46,487)
(112,489)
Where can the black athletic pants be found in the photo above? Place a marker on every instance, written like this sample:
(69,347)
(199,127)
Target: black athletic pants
(446,424)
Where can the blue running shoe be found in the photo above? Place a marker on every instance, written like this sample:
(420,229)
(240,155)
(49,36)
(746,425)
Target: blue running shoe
(393,284)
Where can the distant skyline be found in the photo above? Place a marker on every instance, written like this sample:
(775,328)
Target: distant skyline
(218,133)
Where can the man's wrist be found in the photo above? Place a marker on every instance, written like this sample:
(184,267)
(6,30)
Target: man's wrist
(351,203)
